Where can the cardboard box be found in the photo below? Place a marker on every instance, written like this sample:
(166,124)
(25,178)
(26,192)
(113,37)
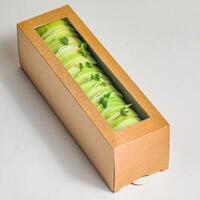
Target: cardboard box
(120,157)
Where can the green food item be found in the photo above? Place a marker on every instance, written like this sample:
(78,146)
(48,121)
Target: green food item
(73,53)
(65,40)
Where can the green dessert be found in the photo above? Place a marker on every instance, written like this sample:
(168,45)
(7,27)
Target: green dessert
(74,54)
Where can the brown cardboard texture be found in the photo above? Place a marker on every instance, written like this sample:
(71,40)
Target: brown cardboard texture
(120,157)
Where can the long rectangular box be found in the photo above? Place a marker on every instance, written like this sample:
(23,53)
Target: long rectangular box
(120,157)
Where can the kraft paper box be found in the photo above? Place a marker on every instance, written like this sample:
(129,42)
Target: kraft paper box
(120,157)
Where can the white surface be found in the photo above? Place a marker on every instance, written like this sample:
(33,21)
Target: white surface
(158,44)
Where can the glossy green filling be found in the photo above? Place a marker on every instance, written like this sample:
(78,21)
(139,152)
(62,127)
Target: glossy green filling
(74,54)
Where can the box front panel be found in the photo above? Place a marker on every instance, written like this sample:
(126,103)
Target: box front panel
(66,107)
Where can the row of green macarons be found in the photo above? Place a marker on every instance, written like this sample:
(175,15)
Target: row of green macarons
(73,53)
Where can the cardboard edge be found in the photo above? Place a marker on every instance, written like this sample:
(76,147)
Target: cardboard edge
(20,24)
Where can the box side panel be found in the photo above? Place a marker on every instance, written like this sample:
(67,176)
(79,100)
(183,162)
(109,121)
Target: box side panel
(144,156)
(66,107)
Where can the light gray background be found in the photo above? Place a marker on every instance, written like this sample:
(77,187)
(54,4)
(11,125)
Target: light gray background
(158,43)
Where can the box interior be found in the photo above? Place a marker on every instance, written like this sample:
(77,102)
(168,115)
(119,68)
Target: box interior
(127,97)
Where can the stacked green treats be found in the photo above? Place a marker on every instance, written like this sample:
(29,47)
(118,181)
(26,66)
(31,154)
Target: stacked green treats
(73,53)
